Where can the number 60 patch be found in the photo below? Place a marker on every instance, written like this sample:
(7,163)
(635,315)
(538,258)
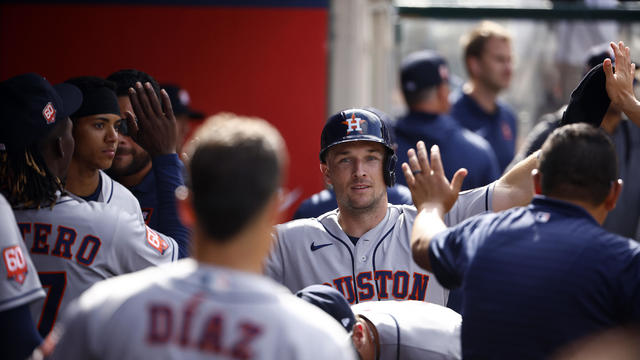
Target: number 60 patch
(15,263)
(156,241)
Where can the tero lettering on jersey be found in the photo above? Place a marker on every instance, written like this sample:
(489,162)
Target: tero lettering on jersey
(62,246)
(207,333)
(385,283)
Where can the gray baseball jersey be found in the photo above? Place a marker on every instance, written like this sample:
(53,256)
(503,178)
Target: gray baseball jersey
(378,267)
(115,194)
(78,243)
(19,284)
(414,330)
(189,310)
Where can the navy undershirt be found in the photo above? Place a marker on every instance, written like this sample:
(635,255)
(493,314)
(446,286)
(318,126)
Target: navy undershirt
(353,239)
(96,194)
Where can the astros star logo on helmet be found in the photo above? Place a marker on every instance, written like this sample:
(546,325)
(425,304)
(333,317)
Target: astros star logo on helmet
(353,124)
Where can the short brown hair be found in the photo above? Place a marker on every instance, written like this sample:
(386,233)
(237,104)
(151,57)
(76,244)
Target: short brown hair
(475,41)
(236,164)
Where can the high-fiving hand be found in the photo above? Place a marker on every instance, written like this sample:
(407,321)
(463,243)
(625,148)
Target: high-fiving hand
(428,184)
(155,129)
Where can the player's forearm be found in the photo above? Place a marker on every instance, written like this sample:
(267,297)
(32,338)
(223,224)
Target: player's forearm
(168,173)
(515,188)
(427,224)
(631,108)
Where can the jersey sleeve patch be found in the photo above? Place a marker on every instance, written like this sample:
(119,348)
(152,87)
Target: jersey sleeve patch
(15,264)
(156,241)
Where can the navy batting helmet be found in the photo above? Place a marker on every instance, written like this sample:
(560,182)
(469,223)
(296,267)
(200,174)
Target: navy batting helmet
(359,125)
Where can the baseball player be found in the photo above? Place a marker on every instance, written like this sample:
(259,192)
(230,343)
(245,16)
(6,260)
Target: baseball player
(325,200)
(362,248)
(392,330)
(216,305)
(19,286)
(95,131)
(148,165)
(73,244)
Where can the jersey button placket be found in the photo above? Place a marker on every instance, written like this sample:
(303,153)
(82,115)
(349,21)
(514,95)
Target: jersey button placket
(361,249)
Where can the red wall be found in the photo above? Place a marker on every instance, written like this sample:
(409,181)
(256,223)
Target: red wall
(266,62)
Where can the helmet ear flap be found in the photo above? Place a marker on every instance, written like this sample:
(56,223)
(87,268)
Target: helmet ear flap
(390,169)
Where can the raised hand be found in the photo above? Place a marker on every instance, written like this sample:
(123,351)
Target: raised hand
(428,184)
(620,84)
(155,129)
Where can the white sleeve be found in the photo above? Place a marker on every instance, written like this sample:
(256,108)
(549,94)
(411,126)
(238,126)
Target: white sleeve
(19,283)
(138,246)
(470,203)
(274,265)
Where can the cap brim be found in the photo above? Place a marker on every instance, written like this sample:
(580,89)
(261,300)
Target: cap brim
(71,98)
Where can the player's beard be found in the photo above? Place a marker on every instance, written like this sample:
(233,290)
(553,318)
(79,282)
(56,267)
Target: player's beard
(138,162)
(349,205)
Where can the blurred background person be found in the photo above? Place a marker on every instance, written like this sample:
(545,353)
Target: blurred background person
(488,61)
(425,85)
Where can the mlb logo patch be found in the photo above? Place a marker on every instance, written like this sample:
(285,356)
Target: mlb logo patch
(49,113)
(15,264)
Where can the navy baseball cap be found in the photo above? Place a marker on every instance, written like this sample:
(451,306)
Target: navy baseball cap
(331,301)
(421,70)
(589,101)
(98,96)
(30,107)
(180,101)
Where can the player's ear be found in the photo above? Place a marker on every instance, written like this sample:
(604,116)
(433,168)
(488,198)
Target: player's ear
(59,148)
(324,169)
(185,206)
(473,64)
(443,92)
(358,335)
(614,192)
(537,181)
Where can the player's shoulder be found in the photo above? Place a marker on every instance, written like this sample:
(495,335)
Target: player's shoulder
(117,290)
(302,320)
(314,224)
(4,204)
(398,210)
(408,308)
(506,111)
(115,193)
(70,207)
(7,223)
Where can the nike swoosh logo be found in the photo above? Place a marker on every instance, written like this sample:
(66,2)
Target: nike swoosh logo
(315,247)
